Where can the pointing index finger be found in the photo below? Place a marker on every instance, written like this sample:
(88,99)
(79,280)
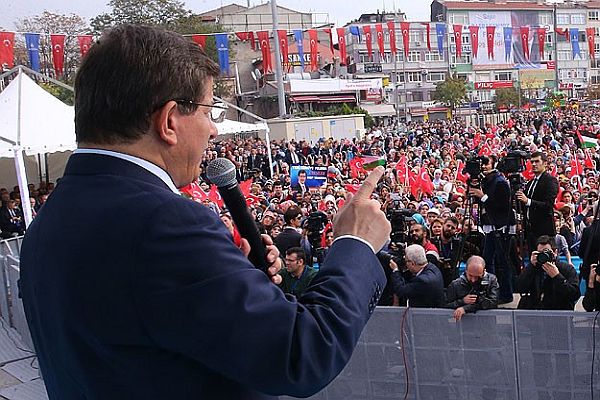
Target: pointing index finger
(369,185)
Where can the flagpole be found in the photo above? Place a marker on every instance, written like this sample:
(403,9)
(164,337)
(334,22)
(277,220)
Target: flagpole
(278,68)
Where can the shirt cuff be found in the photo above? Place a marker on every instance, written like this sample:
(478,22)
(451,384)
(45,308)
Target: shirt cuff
(484,198)
(528,202)
(355,238)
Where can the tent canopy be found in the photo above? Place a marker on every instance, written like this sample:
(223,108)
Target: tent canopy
(229,126)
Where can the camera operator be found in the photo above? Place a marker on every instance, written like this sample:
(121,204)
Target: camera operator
(496,218)
(539,197)
(474,290)
(452,249)
(547,284)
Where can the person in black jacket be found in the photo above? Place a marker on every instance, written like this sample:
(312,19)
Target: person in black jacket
(591,300)
(550,286)
(422,283)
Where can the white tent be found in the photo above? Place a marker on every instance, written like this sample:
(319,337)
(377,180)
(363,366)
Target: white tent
(229,126)
(32,121)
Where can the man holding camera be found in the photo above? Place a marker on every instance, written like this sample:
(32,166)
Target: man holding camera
(475,290)
(496,219)
(547,284)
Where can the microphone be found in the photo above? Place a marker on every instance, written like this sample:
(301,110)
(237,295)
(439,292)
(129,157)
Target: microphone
(221,172)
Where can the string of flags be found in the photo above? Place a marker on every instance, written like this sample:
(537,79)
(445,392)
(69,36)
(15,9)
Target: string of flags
(529,36)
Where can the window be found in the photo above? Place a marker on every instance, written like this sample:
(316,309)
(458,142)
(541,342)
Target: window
(482,76)
(549,38)
(364,58)
(503,76)
(596,31)
(545,19)
(578,19)
(595,63)
(414,76)
(573,73)
(593,16)
(464,77)
(595,79)
(414,56)
(464,59)
(415,36)
(417,96)
(459,18)
(562,19)
(399,78)
(433,56)
(564,55)
(387,57)
(436,76)
(399,55)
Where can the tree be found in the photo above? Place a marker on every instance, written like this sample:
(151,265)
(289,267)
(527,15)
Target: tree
(147,12)
(451,92)
(508,97)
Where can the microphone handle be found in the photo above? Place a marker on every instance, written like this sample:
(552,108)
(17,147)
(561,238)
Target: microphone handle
(236,204)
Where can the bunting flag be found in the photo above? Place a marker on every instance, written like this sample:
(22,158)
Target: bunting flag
(85,42)
(265,48)
(328,31)
(525,41)
(7,49)
(458,38)
(541,36)
(247,36)
(200,40)
(589,34)
(440,33)
(379,31)
(314,49)
(563,32)
(32,41)
(391,25)
(405,29)
(490,35)
(507,42)
(474,33)
(283,46)
(341,33)
(355,31)
(367,32)
(58,53)
(574,34)
(428,34)
(299,38)
(222,43)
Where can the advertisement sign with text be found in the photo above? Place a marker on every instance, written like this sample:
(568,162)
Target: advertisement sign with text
(493,85)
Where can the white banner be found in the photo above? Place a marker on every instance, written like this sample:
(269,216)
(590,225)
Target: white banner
(499,19)
(334,85)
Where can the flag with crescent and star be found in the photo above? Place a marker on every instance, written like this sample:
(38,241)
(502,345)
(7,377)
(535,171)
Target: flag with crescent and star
(379,31)
(7,49)
(341,33)
(283,46)
(85,42)
(314,49)
(589,34)
(474,34)
(405,30)
(200,40)
(391,25)
(525,41)
(457,28)
(265,48)
(58,53)
(368,40)
(490,32)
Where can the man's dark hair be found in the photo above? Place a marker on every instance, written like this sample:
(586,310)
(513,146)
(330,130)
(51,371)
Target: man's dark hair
(291,213)
(298,251)
(545,239)
(302,171)
(131,72)
(454,220)
(540,154)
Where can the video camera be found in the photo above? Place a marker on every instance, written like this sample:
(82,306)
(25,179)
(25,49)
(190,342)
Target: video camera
(399,218)
(474,165)
(315,224)
(513,162)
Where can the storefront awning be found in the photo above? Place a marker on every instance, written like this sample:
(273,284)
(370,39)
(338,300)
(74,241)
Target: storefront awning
(323,99)
(379,110)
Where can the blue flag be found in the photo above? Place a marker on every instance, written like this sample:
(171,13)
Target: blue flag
(440,32)
(32,40)
(299,43)
(507,42)
(574,35)
(223,52)
(354,30)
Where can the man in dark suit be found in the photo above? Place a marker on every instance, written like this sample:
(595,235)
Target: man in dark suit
(424,287)
(171,298)
(300,186)
(538,198)
(292,157)
(11,220)
(254,160)
(289,236)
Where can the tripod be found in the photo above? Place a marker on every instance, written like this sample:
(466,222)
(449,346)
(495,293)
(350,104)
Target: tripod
(517,184)
(471,183)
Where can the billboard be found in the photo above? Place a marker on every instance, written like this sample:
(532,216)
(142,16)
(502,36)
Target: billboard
(499,19)
(315,176)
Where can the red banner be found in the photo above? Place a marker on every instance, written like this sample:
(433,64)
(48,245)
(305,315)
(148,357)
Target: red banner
(458,38)
(283,45)
(328,30)
(493,85)
(200,40)
(265,48)
(194,191)
(392,32)
(428,35)
(314,49)
(551,65)
(405,29)
(215,196)
(402,170)
(368,37)
(541,35)
(589,33)
(379,31)
(525,41)
(247,36)
(424,181)
(7,49)
(490,33)
(474,33)
(356,167)
(341,32)
(58,53)
(85,42)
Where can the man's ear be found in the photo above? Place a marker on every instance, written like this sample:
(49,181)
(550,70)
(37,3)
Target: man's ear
(166,122)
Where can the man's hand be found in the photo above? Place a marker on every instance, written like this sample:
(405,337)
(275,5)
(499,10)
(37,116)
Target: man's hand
(271,254)
(476,192)
(458,313)
(470,299)
(521,196)
(362,217)
(550,269)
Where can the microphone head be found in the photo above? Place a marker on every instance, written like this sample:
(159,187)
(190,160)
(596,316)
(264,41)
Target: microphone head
(221,172)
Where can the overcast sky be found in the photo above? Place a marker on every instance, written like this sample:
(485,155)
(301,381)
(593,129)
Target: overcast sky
(340,11)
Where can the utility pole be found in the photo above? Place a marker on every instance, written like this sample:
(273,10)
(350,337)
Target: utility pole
(278,68)
(555,50)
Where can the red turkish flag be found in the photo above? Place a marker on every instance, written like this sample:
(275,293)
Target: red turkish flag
(413,183)
(368,39)
(528,173)
(576,167)
(554,172)
(247,36)
(563,32)
(402,170)
(195,192)
(352,188)
(589,33)
(265,48)
(392,32)
(474,33)
(200,40)
(588,162)
(458,38)
(426,24)
(405,30)
(283,45)
(541,36)
(460,165)
(328,31)
(7,49)
(314,49)
(245,186)
(58,53)
(341,32)
(525,41)
(490,33)
(85,42)
(356,167)
(215,196)
(425,181)
(485,150)
(252,200)
(379,31)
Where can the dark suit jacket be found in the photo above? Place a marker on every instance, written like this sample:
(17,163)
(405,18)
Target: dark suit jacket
(254,162)
(134,292)
(288,158)
(498,210)
(541,221)
(424,290)
(7,226)
(288,238)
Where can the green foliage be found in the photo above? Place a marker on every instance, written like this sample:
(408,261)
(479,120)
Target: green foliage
(508,97)
(555,100)
(65,95)
(451,92)
(147,12)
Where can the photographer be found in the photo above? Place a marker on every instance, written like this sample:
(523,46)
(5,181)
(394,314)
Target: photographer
(496,219)
(474,290)
(591,300)
(547,284)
